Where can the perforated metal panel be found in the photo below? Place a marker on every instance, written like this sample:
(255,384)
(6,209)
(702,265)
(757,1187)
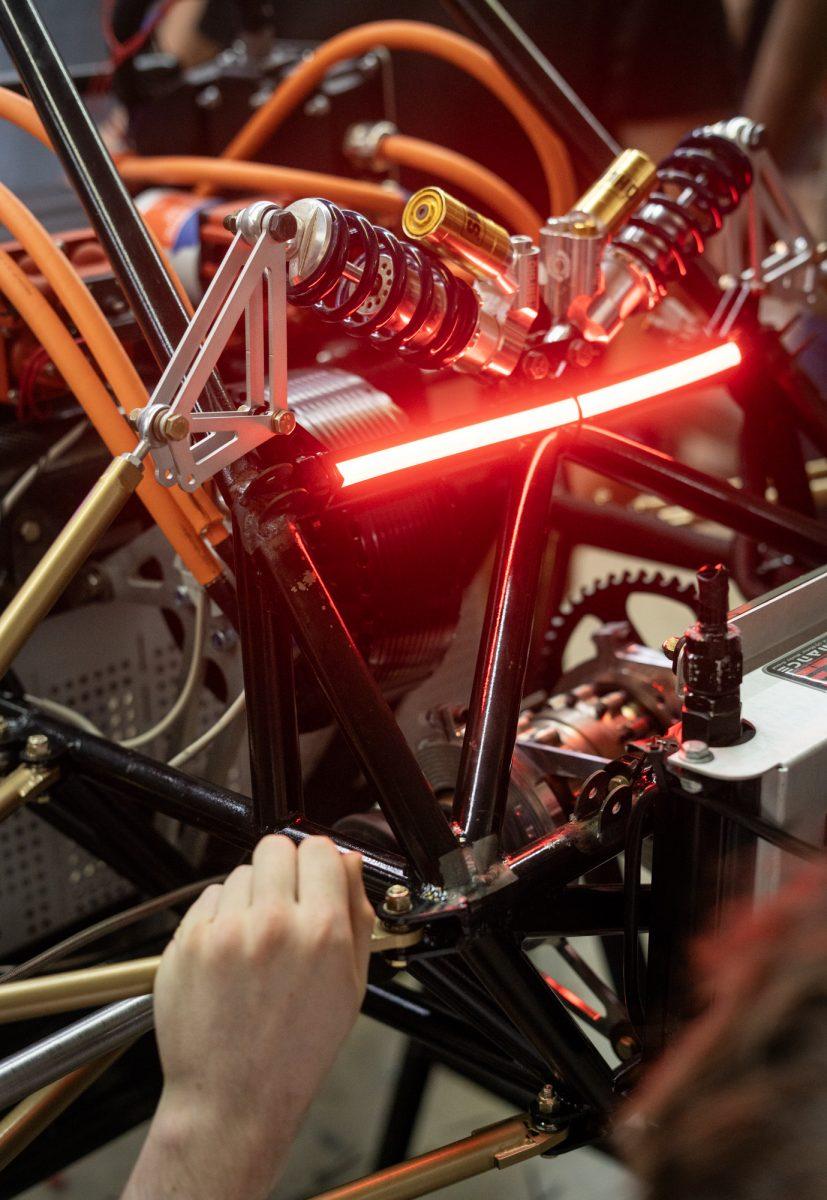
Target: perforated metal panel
(46,881)
(116,664)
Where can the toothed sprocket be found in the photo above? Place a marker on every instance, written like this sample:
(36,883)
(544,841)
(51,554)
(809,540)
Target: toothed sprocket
(606,599)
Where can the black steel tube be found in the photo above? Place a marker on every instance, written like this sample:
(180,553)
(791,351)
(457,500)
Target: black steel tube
(161,788)
(592,146)
(381,869)
(485,764)
(135,261)
(630,462)
(457,988)
(267,654)
(540,1016)
(126,838)
(450,1042)
(560,857)
(409,1089)
(615,528)
(407,801)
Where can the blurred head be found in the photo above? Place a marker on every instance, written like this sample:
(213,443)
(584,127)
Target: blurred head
(737,1109)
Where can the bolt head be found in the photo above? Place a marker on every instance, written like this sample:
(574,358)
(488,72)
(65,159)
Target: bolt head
(175,427)
(30,531)
(535,365)
(398,899)
(627,1047)
(230,222)
(547,1100)
(37,747)
(284,422)
(670,646)
(283,226)
(695,750)
(581,353)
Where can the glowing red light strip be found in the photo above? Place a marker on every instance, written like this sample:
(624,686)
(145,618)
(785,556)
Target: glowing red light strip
(540,419)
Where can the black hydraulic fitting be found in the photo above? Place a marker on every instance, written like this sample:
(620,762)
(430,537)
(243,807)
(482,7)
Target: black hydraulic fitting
(712,666)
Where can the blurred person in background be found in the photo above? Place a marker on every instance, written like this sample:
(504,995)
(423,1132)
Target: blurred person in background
(737,1109)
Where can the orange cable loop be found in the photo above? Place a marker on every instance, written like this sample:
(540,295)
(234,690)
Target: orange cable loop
(457,169)
(108,352)
(427,39)
(199,507)
(186,170)
(116,433)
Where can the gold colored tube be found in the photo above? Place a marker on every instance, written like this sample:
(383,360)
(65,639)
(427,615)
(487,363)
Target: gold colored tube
(449,1164)
(90,986)
(625,184)
(85,988)
(28,1119)
(66,555)
(13,792)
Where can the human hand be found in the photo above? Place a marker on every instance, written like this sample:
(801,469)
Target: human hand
(253,998)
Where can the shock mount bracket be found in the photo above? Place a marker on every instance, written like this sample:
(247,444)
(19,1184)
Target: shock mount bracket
(189,446)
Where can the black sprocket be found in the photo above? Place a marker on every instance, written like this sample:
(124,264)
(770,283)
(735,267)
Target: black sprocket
(606,599)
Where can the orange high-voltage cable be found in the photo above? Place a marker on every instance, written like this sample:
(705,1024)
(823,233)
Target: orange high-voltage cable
(102,341)
(184,170)
(427,39)
(516,214)
(116,433)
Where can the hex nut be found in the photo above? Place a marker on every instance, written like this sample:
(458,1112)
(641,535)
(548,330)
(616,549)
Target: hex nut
(174,427)
(284,422)
(37,748)
(398,899)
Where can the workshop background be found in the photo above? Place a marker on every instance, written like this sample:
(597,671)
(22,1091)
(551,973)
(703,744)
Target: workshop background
(340,1136)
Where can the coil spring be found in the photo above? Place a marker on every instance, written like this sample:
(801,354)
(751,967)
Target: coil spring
(707,175)
(355,240)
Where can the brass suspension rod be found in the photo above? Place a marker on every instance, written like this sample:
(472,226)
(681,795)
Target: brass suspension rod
(92,986)
(496,1146)
(67,553)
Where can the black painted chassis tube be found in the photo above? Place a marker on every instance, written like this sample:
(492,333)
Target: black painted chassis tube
(269,685)
(517,987)
(163,789)
(408,803)
(631,462)
(488,746)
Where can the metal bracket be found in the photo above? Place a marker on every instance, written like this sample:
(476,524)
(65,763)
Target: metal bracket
(189,446)
(766,242)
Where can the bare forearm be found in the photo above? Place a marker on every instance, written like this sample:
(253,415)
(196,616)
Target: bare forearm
(191,1154)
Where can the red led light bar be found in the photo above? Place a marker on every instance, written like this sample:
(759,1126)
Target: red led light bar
(541,418)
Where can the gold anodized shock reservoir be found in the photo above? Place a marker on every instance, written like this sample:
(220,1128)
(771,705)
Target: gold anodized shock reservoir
(621,188)
(446,224)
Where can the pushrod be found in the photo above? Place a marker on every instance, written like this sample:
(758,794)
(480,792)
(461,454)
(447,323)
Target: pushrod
(57,1055)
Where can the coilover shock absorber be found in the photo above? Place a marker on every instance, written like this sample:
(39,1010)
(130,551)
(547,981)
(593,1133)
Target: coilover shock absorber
(397,294)
(701,182)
